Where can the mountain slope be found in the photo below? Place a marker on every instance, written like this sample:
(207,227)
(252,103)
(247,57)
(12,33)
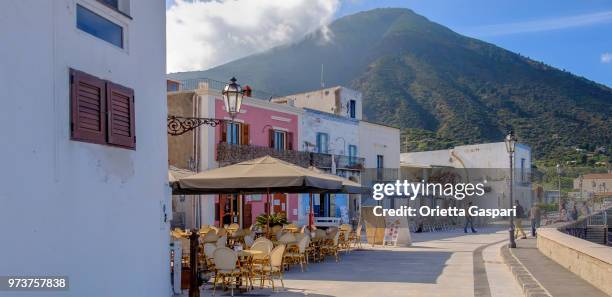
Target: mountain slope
(422,76)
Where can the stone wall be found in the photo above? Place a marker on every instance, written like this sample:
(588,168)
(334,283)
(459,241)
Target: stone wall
(591,261)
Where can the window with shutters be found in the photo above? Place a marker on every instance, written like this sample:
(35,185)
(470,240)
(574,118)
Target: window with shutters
(234,133)
(101,111)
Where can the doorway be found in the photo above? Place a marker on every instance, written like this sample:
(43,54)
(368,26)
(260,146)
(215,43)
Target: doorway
(229,209)
(279,204)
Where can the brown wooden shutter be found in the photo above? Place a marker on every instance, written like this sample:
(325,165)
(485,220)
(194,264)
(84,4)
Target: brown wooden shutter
(271,138)
(245,134)
(120,116)
(87,107)
(289,141)
(223,131)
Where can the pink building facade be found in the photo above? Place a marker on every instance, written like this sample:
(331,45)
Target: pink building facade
(259,124)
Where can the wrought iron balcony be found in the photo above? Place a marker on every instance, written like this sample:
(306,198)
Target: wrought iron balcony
(228,154)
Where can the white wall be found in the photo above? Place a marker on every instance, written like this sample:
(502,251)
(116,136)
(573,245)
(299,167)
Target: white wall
(483,156)
(88,211)
(342,132)
(325,100)
(376,140)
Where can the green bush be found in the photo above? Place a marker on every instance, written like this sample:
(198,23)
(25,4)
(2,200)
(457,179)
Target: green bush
(272,220)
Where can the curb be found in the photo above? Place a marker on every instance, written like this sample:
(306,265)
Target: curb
(531,287)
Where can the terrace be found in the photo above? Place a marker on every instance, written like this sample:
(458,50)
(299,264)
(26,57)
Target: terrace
(228,154)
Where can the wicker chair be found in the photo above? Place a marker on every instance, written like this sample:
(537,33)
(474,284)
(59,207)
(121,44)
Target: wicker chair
(248,241)
(272,267)
(265,246)
(330,247)
(209,253)
(226,268)
(355,237)
(222,241)
(297,254)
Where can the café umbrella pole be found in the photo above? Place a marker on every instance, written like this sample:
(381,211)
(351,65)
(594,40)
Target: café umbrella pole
(310,214)
(268,212)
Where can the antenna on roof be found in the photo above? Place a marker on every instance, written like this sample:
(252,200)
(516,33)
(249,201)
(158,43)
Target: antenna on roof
(322,81)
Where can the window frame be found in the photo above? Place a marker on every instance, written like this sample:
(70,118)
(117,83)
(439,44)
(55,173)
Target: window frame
(319,144)
(352,154)
(280,135)
(234,127)
(122,46)
(353,109)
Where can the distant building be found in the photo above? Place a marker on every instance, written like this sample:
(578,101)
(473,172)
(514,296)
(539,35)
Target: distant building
(337,100)
(594,183)
(333,121)
(479,163)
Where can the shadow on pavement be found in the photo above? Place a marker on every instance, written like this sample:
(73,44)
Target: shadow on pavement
(377,266)
(428,236)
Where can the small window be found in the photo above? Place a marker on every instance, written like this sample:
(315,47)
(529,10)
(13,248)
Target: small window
(322,143)
(353,109)
(98,26)
(280,138)
(380,161)
(522,169)
(233,133)
(352,152)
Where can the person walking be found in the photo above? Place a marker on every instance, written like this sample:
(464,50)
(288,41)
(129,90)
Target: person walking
(535,214)
(469,220)
(518,223)
(574,212)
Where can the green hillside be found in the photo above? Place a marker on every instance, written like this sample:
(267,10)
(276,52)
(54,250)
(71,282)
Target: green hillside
(440,87)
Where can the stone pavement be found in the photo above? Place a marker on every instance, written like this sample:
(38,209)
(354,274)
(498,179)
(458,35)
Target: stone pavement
(554,278)
(437,264)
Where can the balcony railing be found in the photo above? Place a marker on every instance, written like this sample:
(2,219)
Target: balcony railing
(228,154)
(211,84)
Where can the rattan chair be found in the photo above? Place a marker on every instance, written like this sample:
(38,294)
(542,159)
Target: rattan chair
(226,268)
(330,247)
(297,254)
(222,241)
(272,267)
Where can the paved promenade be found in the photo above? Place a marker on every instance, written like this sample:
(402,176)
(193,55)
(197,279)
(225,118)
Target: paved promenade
(438,264)
(555,279)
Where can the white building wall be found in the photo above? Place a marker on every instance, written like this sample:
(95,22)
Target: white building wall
(382,140)
(333,100)
(90,212)
(342,132)
(484,156)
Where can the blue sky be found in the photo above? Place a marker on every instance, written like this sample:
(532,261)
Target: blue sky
(572,35)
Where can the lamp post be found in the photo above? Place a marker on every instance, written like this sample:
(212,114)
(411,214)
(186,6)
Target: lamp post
(559,184)
(510,147)
(232,98)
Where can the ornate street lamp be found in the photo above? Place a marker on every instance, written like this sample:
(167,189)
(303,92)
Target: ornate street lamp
(510,147)
(232,98)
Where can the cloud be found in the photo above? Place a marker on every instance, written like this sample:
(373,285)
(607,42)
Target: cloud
(606,58)
(204,34)
(541,25)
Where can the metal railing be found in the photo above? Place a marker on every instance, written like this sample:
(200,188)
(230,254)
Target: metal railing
(228,154)
(595,227)
(212,84)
